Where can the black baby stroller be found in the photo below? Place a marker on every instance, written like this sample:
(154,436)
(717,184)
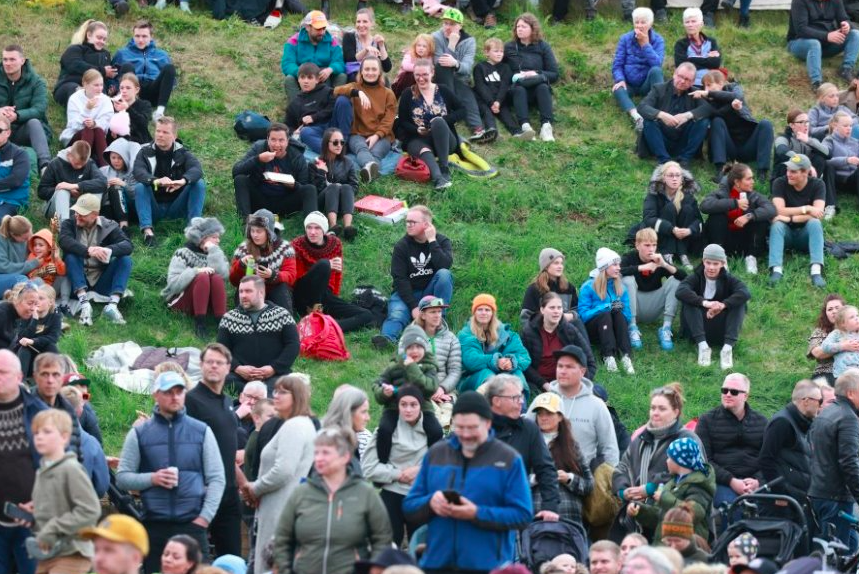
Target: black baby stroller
(542,540)
(776,520)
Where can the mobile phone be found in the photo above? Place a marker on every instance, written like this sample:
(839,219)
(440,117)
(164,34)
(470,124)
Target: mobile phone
(452,496)
(14,511)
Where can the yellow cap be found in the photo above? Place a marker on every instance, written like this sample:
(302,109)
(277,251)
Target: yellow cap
(119,528)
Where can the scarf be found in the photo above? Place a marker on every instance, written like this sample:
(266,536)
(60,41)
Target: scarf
(648,447)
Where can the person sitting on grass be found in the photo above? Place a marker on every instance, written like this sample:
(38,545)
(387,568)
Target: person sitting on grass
(313,43)
(492,80)
(88,116)
(695,47)
(422,47)
(120,156)
(362,43)
(87,51)
(197,274)
(604,308)
(551,278)
(413,372)
(714,306)
(309,113)
(643,271)
(41,248)
(832,304)
(336,180)
(739,217)
(70,176)
(828,105)
(841,342)
(151,65)
(139,110)
(843,153)
(796,139)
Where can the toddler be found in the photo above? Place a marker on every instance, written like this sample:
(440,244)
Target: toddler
(843,342)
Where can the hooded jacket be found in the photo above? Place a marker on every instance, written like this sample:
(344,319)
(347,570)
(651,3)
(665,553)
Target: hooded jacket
(251,166)
(476,356)
(720,201)
(322,532)
(656,200)
(787,145)
(13,257)
(88,178)
(835,453)
(408,447)
(379,119)
(819,116)
(697,488)
(77,112)
(183,165)
(77,59)
(591,304)
(421,374)
(128,150)
(729,289)
(463,52)
(109,235)
(47,259)
(14,175)
(445,347)
(632,62)
(494,479)
(317,103)
(591,422)
(840,149)
(786,452)
(654,446)
(29,95)
(328,53)
(567,333)
(147,62)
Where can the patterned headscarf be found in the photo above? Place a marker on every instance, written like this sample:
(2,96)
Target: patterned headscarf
(686,452)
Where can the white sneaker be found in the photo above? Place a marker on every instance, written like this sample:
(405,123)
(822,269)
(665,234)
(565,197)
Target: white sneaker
(86,314)
(626,361)
(184,7)
(726,358)
(527,133)
(161,4)
(546,133)
(704,356)
(273,20)
(156,115)
(112,314)
(611,364)
(669,258)
(828,212)
(751,265)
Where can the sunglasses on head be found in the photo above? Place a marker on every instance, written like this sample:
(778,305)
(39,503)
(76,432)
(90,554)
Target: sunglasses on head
(732,392)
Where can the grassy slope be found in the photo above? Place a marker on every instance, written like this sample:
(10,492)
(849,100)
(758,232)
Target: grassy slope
(576,195)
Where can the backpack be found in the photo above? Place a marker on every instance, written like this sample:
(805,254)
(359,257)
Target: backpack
(251,126)
(368,297)
(322,338)
(541,541)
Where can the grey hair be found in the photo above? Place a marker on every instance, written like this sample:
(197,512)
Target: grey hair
(687,66)
(657,560)
(258,385)
(803,390)
(643,13)
(342,406)
(496,383)
(693,12)
(848,381)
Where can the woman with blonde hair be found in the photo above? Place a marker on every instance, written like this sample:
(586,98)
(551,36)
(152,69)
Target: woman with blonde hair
(15,233)
(88,117)
(86,52)
(604,308)
(671,209)
(423,46)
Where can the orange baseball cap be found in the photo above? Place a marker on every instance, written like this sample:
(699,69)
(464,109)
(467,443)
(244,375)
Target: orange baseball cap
(317,19)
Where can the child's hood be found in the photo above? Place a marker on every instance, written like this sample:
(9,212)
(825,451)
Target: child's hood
(126,149)
(43,234)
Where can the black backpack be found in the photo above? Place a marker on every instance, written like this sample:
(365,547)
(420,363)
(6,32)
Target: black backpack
(251,126)
(542,540)
(368,297)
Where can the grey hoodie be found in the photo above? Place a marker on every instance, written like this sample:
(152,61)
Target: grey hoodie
(591,421)
(128,150)
(463,52)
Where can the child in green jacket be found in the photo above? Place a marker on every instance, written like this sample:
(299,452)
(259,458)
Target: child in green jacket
(415,368)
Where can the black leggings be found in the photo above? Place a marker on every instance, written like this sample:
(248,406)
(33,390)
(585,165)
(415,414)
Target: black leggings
(440,141)
(522,96)
(312,289)
(750,240)
(394,505)
(388,423)
(611,329)
(337,198)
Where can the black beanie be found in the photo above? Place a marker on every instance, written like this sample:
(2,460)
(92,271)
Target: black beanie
(472,402)
(410,391)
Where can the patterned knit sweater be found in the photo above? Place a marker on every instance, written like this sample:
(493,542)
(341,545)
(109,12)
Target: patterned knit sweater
(281,261)
(306,254)
(271,339)
(184,265)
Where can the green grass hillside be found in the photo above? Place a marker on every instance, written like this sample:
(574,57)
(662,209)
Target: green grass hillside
(578,194)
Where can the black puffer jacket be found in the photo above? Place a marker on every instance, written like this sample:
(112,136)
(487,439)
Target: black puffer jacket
(567,333)
(537,57)
(77,59)
(720,201)
(732,445)
(835,453)
(524,435)
(729,289)
(341,170)
(786,452)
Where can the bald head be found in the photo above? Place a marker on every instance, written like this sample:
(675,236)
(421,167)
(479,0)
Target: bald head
(10,376)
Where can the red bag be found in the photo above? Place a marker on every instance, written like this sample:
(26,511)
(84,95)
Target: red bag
(412,169)
(322,338)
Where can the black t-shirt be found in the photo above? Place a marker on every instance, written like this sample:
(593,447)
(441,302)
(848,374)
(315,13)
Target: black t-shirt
(815,189)
(216,411)
(163,163)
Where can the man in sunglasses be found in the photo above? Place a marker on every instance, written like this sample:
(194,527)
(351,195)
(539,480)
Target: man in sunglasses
(732,435)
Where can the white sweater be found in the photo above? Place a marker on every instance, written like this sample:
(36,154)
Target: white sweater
(77,112)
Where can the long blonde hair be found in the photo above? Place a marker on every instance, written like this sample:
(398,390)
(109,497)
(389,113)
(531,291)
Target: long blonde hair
(678,197)
(601,285)
(487,335)
(87,28)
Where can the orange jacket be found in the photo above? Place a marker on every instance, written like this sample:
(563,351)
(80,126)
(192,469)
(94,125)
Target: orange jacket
(46,236)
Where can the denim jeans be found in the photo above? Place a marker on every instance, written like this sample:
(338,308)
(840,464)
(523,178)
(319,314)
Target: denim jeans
(681,143)
(827,512)
(725,494)
(342,120)
(187,205)
(757,148)
(813,52)
(113,280)
(12,552)
(9,280)
(399,314)
(623,95)
(808,238)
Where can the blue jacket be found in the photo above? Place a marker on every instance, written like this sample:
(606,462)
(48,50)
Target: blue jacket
(95,463)
(177,442)
(328,53)
(591,305)
(14,175)
(148,62)
(32,406)
(495,481)
(632,62)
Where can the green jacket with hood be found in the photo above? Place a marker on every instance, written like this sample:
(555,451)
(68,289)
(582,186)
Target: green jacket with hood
(421,374)
(29,95)
(697,488)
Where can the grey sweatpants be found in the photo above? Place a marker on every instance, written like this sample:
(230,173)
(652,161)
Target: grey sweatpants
(649,306)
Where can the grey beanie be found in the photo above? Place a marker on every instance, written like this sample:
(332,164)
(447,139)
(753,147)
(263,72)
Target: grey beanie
(263,218)
(715,252)
(547,256)
(414,335)
(201,227)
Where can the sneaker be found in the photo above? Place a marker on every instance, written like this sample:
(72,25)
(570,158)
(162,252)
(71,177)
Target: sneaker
(86,314)
(639,124)
(112,314)
(161,4)
(477,135)
(527,133)
(751,265)
(635,337)
(65,310)
(815,86)
(684,261)
(546,134)
(381,343)
(491,135)
(775,277)
(846,73)
(149,240)
(156,115)
(369,172)
(745,22)
(726,358)
(121,8)
(818,281)
(184,7)
(443,182)
(611,364)
(336,230)
(661,15)
(626,361)
(490,22)
(201,331)
(704,356)
(828,213)
(727,5)
(665,337)
(669,258)
(273,20)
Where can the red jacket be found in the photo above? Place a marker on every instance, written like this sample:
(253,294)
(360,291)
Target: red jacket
(306,254)
(281,261)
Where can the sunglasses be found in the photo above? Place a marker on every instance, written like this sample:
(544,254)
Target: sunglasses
(732,392)
(337,142)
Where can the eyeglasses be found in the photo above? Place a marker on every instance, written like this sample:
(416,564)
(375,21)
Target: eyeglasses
(516,398)
(336,142)
(815,399)
(732,392)
(411,222)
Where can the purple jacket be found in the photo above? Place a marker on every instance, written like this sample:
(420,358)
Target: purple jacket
(632,62)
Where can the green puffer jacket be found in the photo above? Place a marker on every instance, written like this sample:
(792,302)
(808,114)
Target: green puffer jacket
(29,95)
(421,374)
(697,488)
(320,532)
